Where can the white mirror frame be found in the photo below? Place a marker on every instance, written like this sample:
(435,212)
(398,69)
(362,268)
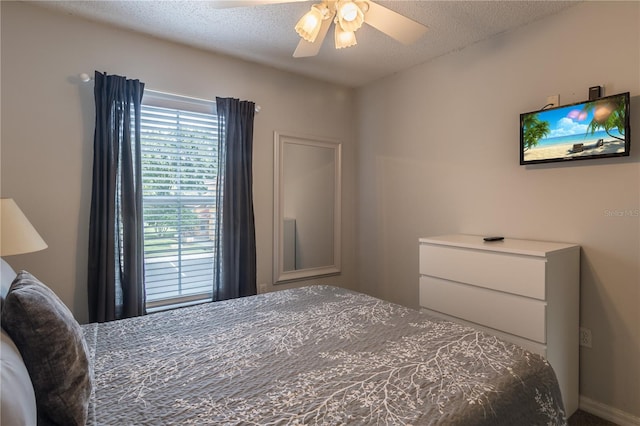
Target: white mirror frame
(279,274)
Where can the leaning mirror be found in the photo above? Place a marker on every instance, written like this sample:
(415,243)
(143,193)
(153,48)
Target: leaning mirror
(307,182)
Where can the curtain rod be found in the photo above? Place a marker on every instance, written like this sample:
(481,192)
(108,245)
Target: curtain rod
(85,78)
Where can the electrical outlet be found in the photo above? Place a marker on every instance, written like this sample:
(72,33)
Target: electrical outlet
(554,100)
(585,337)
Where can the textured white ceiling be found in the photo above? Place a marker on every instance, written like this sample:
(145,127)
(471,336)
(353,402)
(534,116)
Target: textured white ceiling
(265,34)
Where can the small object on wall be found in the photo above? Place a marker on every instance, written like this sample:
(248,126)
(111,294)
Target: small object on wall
(553,101)
(595,92)
(491,239)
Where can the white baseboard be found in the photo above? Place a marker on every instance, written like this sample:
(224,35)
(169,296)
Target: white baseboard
(607,412)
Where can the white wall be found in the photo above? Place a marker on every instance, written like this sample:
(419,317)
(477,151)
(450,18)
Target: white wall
(438,153)
(48,121)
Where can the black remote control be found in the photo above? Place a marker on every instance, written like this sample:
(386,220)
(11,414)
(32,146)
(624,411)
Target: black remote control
(489,239)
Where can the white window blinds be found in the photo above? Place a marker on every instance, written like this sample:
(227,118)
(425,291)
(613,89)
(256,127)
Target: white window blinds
(179,174)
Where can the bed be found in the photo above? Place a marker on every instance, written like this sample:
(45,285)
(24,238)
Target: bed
(313,355)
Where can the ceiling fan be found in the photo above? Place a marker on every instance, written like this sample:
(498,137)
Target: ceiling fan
(348,16)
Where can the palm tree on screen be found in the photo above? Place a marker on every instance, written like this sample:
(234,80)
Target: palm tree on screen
(607,115)
(534,130)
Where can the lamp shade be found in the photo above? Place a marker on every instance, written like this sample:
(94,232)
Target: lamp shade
(17,235)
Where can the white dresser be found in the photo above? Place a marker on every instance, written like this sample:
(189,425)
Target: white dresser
(527,292)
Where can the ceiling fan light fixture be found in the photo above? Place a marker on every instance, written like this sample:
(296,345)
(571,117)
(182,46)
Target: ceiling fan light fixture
(309,25)
(344,38)
(350,15)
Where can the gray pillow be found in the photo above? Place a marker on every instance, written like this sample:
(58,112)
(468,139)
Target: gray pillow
(53,348)
(16,391)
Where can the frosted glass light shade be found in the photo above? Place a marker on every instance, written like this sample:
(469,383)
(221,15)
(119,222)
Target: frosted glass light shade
(309,25)
(17,235)
(344,38)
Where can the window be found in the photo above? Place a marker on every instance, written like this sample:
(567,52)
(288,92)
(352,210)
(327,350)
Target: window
(179,175)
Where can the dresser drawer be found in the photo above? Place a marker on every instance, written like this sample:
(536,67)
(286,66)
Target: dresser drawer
(505,312)
(517,274)
(530,345)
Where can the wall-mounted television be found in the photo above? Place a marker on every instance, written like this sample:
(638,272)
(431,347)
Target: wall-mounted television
(597,128)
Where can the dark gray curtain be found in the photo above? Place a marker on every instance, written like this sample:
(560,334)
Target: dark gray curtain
(235,272)
(116,245)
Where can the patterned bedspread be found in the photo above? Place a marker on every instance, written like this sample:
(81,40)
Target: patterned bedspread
(314,355)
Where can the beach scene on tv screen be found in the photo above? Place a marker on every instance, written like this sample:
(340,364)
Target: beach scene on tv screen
(584,130)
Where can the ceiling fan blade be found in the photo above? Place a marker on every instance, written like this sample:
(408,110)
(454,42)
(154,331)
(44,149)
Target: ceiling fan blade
(393,24)
(306,48)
